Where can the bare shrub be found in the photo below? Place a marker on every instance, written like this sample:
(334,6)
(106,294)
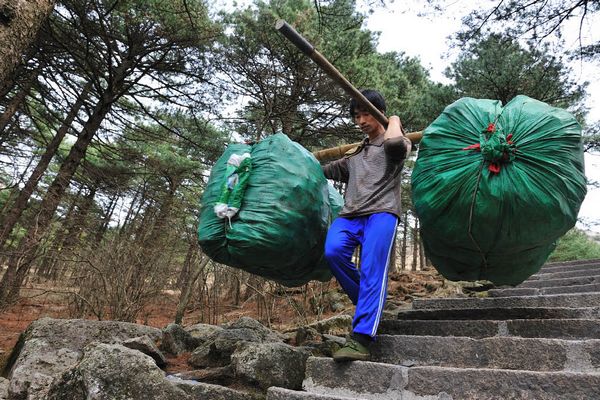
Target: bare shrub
(118,280)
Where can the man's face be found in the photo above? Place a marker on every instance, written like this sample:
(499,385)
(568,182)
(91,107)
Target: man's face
(366,122)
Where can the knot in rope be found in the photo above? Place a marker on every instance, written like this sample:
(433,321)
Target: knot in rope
(495,148)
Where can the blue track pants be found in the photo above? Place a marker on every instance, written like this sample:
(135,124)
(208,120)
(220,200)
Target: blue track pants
(367,287)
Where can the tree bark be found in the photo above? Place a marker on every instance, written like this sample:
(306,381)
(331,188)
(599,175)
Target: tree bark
(184,275)
(415,243)
(16,102)
(20,21)
(186,291)
(421,254)
(404,237)
(393,257)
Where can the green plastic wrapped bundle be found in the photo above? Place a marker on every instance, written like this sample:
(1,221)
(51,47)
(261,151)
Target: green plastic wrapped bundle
(494,187)
(285,210)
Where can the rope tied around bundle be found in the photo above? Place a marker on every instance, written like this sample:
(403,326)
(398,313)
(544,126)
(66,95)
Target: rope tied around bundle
(495,147)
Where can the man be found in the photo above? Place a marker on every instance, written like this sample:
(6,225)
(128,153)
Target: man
(369,219)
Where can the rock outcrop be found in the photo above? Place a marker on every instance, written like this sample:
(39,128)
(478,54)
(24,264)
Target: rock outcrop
(106,360)
(50,347)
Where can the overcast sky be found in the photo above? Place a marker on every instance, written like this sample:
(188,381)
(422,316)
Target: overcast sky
(426,38)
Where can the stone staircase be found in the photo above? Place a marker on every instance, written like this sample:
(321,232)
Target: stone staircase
(540,340)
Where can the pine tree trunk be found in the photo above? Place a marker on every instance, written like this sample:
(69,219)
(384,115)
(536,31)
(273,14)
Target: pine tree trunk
(50,258)
(134,225)
(184,275)
(404,240)
(20,21)
(73,230)
(15,104)
(99,235)
(189,284)
(422,265)
(16,210)
(129,217)
(20,262)
(415,243)
(393,267)
(151,240)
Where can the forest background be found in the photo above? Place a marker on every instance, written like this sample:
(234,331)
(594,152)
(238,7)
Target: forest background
(113,115)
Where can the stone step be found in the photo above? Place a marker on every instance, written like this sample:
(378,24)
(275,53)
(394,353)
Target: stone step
(484,384)
(528,328)
(589,288)
(578,280)
(276,393)
(363,380)
(564,274)
(573,262)
(556,300)
(531,354)
(587,266)
(501,313)
(369,380)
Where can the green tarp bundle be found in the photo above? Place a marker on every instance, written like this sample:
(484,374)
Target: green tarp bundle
(286,208)
(494,187)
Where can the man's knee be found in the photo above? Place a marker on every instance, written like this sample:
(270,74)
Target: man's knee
(331,252)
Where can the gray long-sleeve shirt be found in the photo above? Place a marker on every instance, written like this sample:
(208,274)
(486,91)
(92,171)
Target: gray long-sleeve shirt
(372,176)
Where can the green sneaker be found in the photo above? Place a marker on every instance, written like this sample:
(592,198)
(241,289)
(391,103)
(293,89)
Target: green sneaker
(352,351)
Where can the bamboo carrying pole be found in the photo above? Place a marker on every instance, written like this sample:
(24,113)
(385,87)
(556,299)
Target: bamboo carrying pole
(334,153)
(303,45)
